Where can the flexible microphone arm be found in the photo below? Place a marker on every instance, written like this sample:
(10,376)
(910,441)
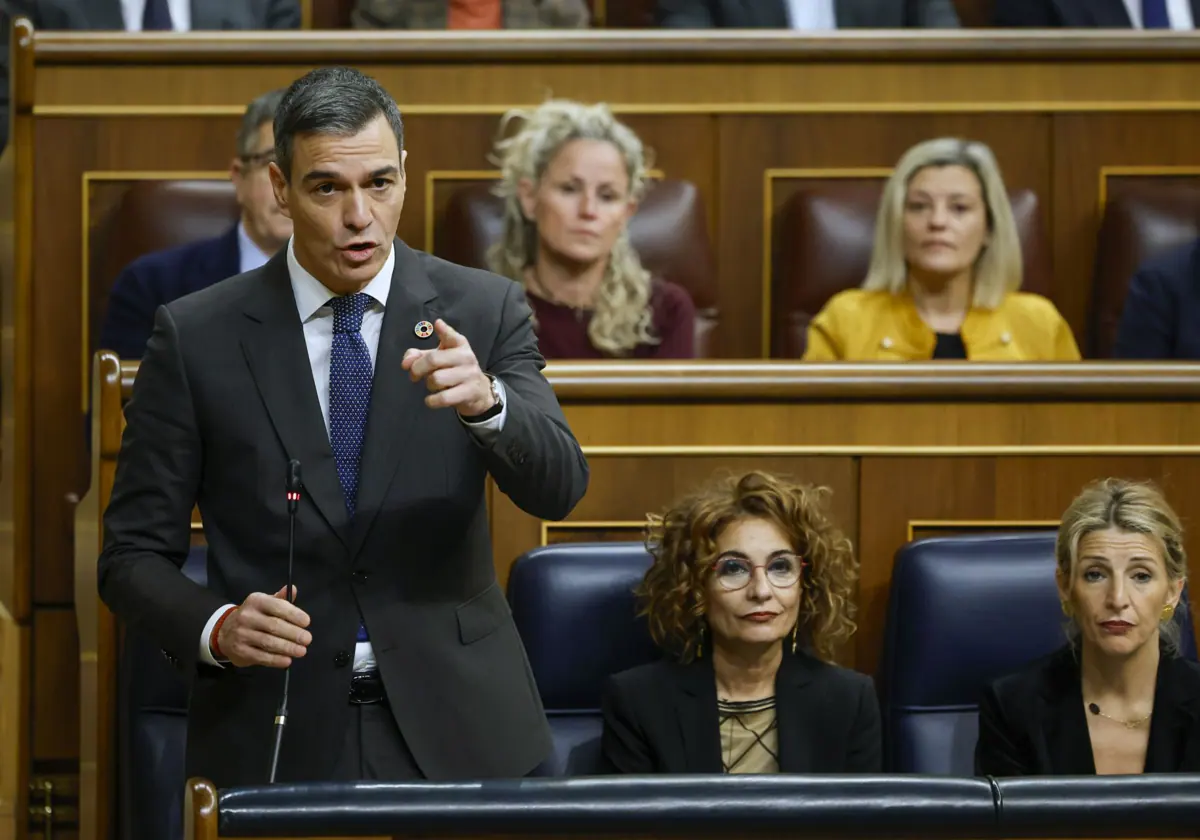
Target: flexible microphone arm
(294,484)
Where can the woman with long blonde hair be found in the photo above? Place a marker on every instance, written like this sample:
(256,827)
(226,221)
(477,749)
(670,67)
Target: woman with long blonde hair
(571,179)
(945,274)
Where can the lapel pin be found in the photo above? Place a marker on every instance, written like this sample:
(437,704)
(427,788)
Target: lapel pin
(423,329)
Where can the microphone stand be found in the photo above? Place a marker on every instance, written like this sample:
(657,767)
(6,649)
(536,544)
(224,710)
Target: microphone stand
(293,502)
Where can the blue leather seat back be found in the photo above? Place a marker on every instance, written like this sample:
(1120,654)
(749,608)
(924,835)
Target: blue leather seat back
(574,607)
(152,742)
(962,612)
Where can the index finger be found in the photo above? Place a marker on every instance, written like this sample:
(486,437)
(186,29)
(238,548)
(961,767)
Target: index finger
(287,611)
(447,335)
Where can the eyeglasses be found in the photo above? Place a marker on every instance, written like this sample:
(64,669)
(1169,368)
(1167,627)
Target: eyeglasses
(734,573)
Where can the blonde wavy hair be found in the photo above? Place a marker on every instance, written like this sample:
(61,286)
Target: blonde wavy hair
(683,543)
(1130,506)
(622,317)
(998,268)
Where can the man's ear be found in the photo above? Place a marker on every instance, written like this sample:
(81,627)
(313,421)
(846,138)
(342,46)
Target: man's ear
(403,161)
(279,186)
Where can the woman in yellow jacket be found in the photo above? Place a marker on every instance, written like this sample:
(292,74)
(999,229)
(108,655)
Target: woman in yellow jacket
(945,272)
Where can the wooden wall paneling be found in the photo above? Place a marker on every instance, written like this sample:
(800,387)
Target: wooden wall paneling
(790,150)
(1085,145)
(14,731)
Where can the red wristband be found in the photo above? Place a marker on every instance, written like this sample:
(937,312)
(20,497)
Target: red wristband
(216,632)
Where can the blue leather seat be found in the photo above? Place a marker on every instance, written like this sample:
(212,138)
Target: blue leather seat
(574,607)
(963,611)
(152,732)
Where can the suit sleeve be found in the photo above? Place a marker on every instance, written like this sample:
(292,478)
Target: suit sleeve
(129,318)
(864,753)
(938,14)
(996,751)
(684,14)
(147,525)
(535,459)
(623,747)
(1147,328)
(1028,14)
(283,14)
(822,344)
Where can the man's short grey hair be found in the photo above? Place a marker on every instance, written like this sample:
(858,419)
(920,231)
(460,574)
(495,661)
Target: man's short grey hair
(340,101)
(258,113)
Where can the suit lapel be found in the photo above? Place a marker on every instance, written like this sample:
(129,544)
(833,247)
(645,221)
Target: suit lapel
(699,724)
(1068,744)
(1196,14)
(205,15)
(1103,14)
(106,14)
(395,399)
(797,752)
(274,346)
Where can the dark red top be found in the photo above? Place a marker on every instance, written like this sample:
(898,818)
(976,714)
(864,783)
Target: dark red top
(562,331)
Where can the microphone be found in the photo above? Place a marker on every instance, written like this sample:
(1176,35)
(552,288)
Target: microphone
(294,484)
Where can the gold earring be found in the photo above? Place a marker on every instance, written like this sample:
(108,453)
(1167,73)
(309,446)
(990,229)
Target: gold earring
(1168,612)
(795,633)
(1066,608)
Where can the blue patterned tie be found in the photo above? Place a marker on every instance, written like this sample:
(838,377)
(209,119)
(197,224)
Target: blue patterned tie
(156,17)
(1154,15)
(350,373)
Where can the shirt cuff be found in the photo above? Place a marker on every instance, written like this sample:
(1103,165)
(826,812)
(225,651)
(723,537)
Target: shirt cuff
(206,654)
(486,431)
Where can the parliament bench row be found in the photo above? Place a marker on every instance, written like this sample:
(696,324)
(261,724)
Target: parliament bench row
(962,610)
(709,806)
(670,233)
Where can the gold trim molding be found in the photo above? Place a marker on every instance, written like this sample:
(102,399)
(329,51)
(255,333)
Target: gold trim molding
(585,525)
(1162,171)
(667,108)
(770,176)
(822,450)
(981,525)
(110,176)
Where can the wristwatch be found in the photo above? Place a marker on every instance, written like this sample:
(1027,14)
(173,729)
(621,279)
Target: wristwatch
(496,408)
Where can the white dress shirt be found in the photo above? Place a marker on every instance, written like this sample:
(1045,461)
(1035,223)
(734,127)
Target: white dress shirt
(312,303)
(181,14)
(812,14)
(1179,12)
(250,256)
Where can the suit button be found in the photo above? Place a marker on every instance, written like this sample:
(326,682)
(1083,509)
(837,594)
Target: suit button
(341,659)
(360,577)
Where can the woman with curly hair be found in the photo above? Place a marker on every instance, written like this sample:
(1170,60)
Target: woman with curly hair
(750,592)
(571,179)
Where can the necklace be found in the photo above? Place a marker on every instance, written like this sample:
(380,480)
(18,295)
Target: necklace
(1128,724)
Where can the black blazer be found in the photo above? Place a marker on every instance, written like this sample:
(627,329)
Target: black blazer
(1032,723)
(662,718)
(161,277)
(1069,14)
(1161,318)
(223,399)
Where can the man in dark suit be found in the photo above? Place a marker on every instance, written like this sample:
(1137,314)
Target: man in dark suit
(161,277)
(137,16)
(1161,318)
(811,15)
(399,382)
(1098,14)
